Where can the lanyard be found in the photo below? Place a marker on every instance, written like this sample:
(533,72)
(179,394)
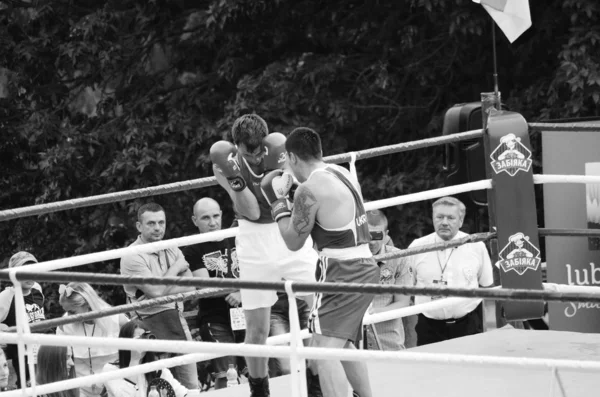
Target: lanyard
(443,269)
(89,350)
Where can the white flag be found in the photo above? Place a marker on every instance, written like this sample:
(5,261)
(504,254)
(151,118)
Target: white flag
(512,16)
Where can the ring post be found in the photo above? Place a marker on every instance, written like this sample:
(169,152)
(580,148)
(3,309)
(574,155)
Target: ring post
(508,154)
(297,364)
(22,328)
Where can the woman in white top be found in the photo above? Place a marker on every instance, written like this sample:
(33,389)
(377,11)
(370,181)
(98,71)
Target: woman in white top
(139,385)
(77,298)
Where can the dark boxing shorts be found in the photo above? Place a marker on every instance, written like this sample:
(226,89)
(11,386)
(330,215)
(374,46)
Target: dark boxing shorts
(341,315)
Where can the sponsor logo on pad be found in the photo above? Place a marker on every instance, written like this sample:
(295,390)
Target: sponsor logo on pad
(511,156)
(519,255)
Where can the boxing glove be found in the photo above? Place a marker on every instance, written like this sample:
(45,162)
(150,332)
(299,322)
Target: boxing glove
(275,154)
(223,155)
(275,187)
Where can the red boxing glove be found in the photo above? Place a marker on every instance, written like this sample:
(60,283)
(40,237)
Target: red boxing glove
(275,154)
(223,155)
(275,187)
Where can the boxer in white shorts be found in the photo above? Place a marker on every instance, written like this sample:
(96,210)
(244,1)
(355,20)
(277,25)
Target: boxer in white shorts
(262,253)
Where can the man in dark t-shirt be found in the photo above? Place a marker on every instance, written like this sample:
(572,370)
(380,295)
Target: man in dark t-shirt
(218,318)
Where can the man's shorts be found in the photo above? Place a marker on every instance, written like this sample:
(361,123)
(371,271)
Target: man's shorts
(263,256)
(341,315)
(222,333)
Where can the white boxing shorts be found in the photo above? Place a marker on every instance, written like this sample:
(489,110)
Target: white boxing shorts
(263,256)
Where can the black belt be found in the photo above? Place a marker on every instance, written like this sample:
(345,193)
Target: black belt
(449,320)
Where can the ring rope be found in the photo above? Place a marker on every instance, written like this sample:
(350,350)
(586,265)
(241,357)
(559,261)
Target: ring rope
(586,179)
(210,181)
(564,127)
(338,288)
(126,308)
(318,353)
(569,232)
(174,187)
(188,240)
(429,194)
(73,261)
(421,249)
(234,348)
(106,376)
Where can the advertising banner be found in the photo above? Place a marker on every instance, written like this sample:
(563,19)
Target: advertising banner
(572,260)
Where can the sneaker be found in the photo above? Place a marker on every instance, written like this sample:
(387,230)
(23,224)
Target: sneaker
(259,387)
(313,385)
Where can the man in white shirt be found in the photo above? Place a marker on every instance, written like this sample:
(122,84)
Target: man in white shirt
(467,266)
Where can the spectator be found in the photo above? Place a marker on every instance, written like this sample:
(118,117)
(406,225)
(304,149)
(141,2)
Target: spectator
(280,324)
(215,259)
(165,320)
(34,307)
(78,298)
(139,385)
(387,335)
(467,266)
(4,372)
(55,363)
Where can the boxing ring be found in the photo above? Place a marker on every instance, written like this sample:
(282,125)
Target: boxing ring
(498,362)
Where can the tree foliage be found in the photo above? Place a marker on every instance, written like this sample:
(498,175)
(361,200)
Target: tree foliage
(104,96)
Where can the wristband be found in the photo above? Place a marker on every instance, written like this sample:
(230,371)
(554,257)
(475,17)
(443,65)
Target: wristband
(280,209)
(237,183)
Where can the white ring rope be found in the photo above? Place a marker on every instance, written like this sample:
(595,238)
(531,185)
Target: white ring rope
(185,347)
(221,234)
(111,375)
(586,179)
(429,194)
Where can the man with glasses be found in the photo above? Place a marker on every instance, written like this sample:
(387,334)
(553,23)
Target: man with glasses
(262,254)
(387,335)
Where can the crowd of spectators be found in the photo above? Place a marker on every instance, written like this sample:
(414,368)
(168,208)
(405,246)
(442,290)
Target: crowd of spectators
(220,319)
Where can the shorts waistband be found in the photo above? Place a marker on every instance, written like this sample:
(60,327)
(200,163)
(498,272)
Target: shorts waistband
(449,320)
(360,251)
(247,227)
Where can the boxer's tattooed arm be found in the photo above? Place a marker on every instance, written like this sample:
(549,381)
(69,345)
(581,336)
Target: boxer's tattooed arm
(303,218)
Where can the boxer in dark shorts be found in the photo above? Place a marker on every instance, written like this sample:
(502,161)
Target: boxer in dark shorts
(328,207)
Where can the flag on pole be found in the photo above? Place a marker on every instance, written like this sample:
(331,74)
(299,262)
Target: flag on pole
(512,16)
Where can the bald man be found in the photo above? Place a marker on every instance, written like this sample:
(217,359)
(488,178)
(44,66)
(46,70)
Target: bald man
(216,259)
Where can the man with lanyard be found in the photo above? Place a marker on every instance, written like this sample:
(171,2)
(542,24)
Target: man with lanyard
(165,320)
(467,266)
(328,206)
(262,254)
